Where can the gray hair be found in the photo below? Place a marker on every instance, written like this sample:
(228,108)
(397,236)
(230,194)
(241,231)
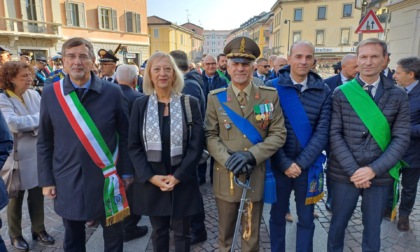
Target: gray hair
(75,42)
(127,73)
(374,41)
(148,85)
(410,64)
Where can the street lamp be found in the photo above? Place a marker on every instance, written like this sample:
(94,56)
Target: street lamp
(288,36)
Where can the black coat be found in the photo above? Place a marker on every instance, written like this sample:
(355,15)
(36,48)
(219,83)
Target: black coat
(333,82)
(149,200)
(412,156)
(130,95)
(194,86)
(353,147)
(6,145)
(217,82)
(64,163)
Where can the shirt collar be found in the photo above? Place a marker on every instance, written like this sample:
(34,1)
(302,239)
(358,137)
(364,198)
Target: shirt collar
(86,85)
(411,86)
(247,90)
(304,82)
(343,78)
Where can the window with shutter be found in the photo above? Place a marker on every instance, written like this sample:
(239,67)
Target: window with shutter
(114,20)
(129,21)
(138,23)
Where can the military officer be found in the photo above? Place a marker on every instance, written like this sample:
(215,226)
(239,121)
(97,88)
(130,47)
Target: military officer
(234,148)
(108,64)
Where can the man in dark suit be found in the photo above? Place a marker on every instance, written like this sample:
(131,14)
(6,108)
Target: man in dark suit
(407,75)
(386,70)
(348,72)
(263,69)
(211,78)
(127,79)
(68,141)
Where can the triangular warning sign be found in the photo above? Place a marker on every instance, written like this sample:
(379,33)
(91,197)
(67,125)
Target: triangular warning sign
(370,24)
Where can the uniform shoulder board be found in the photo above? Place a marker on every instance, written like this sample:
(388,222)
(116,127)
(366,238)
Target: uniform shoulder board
(216,91)
(268,88)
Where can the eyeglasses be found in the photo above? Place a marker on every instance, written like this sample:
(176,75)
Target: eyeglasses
(82,57)
(265,66)
(210,64)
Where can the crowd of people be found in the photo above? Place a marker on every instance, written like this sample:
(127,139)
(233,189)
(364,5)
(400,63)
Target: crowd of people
(271,126)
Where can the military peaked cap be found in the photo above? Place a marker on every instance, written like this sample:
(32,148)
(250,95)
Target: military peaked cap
(242,49)
(107,56)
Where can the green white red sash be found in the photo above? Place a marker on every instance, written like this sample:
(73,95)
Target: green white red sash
(115,200)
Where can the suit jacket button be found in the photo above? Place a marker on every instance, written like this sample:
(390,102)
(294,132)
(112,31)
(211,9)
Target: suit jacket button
(245,149)
(244,136)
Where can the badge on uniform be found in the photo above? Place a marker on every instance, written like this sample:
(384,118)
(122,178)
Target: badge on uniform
(263,114)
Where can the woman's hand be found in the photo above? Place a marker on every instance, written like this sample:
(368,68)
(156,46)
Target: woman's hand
(172,182)
(161,182)
(49,192)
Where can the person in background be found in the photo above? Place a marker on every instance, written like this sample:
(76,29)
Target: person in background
(6,145)
(222,67)
(263,69)
(407,75)
(5,55)
(25,57)
(386,71)
(20,106)
(165,153)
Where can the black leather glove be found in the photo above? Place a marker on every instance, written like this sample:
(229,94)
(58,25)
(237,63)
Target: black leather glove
(241,162)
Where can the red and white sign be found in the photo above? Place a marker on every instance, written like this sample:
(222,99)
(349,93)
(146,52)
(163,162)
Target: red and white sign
(370,24)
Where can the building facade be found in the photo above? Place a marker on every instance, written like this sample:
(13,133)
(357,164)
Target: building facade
(258,28)
(214,41)
(42,26)
(403,37)
(167,36)
(329,24)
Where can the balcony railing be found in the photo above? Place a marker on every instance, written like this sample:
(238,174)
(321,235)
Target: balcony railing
(15,26)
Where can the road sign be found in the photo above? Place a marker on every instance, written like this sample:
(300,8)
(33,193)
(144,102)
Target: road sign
(370,24)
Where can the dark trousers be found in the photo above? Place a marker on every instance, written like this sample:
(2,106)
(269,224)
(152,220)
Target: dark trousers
(36,212)
(305,225)
(197,220)
(130,222)
(160,233)
(2,245)
(328,184)
(75,236)
(409,180)
(201,171)
(345,197)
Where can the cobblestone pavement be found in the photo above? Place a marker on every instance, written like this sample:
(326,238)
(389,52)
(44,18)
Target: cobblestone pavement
(392,239)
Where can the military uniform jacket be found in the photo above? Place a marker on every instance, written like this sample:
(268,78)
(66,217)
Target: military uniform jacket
(64,163)
(222,135)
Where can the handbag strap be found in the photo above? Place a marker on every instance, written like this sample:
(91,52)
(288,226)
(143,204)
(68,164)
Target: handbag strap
(15,147)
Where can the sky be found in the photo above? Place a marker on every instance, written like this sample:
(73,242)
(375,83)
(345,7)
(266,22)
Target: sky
(209,14)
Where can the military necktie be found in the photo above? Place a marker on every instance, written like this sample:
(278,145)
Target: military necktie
(242,98)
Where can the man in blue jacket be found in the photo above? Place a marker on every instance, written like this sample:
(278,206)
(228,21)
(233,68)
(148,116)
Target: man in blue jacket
(348,71)
(365,154)
(298,164)
(407,75)
(6,144)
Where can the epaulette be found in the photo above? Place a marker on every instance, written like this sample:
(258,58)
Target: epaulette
(267,88)
(216,91)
